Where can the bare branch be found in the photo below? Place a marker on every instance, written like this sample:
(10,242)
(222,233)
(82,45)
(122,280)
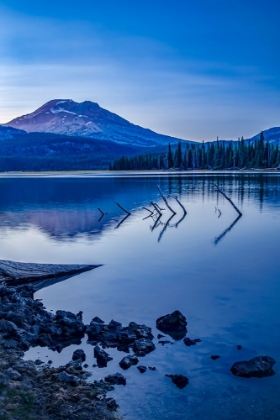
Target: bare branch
(231,202)
(156,208)
(121,222)
(123,209)
(165,200)
(220,237)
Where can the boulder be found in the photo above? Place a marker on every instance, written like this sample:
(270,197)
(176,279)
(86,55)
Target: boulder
(179,380)
(258,367)
(79,354)
(116,379)
(174,324)
(101,357)
(128,361)
(142,369)
(142,346)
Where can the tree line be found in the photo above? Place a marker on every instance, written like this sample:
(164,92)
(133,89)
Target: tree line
(216,155)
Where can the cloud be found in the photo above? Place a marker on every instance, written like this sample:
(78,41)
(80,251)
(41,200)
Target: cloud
(141,79)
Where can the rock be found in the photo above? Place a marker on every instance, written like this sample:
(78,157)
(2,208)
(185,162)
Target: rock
(179,380)
(239,347)
(215,357)
(116,379)
(128,361)
(173,324)
(93,329)
(160,336)
(115,335)
(69,379)
(79,354)
(142,369)
(152,368)
(142,346)
(190,342)
(13,374)
(111,404)
(258,367)
(85,366)
(70,324)
(101,357)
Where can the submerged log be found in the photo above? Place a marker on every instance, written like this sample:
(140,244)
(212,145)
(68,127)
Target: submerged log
(13,273)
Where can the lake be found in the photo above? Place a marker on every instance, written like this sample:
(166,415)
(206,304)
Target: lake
(220,271)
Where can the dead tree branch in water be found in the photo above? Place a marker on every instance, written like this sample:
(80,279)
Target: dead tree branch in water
(165,200)
(150,211)
(121,222)
(179,202)
(165,227)
(231,202)
(123,209)
(219,238)
(159,208)
(156,208)
(102,215)
(157,220)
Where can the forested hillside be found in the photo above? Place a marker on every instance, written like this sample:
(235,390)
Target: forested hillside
(216,155)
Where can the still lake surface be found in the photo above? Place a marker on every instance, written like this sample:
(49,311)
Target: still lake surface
(223,276)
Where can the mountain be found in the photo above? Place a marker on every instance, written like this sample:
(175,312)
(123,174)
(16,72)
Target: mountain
(272,135)
(87,119)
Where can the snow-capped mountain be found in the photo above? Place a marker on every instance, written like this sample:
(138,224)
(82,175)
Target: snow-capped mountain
(87,119)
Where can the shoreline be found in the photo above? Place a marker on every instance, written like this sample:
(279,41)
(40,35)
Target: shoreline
(140,173)
(35,390)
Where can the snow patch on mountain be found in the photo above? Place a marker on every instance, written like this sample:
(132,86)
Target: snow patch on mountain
(88,119)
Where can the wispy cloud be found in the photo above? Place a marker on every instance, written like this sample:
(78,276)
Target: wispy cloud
(141,79)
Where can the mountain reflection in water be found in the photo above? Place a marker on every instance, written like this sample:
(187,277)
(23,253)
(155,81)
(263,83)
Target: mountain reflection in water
(68,207)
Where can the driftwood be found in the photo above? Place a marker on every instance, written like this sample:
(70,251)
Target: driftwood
(14,273)
(156,207)
(165,200)
(121,222)
(150,211)
(165,227)
(231,202)
(220,237)
(123,209)
(179,202)
(102,215)
(157,220)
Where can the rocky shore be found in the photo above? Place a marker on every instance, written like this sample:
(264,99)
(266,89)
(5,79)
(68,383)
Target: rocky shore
(36,390)
(33,390)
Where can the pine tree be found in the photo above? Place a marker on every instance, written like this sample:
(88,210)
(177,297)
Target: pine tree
(170,161)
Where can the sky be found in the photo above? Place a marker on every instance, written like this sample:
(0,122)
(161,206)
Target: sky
(193,70)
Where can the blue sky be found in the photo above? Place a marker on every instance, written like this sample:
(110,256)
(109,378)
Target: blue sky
(189,69)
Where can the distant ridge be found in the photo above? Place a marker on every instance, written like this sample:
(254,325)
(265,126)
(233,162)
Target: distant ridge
(87,119)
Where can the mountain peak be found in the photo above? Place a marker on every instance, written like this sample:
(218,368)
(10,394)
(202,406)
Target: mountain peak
(87,119)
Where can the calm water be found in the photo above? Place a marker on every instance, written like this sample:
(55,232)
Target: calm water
(223,276)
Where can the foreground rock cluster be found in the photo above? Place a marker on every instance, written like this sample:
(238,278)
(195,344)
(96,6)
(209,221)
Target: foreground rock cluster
(34,390)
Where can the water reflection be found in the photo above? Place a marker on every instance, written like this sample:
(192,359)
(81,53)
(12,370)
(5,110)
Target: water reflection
(67,208)
(229,293)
